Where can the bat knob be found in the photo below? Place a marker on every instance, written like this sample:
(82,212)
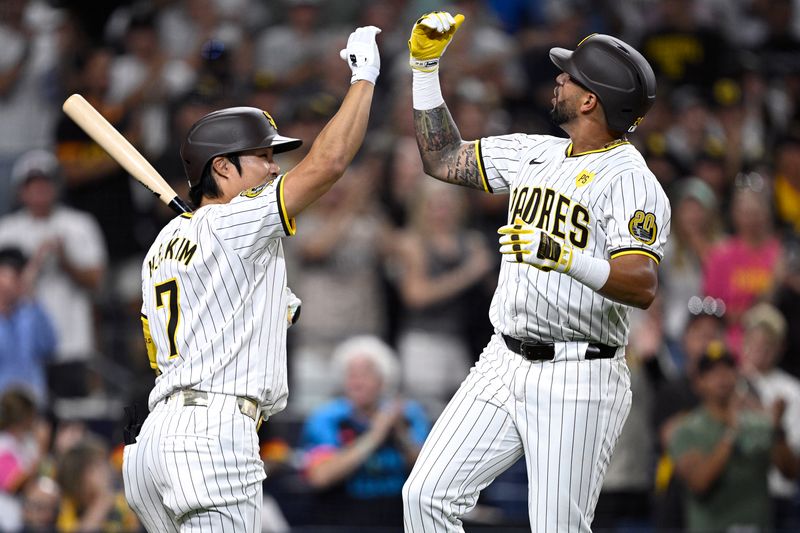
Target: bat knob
(179,206)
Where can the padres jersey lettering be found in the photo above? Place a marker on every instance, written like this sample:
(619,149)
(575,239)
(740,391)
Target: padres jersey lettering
(214,303)
(605,202)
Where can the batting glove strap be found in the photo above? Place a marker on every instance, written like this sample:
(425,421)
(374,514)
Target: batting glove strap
(429,38)
(523,243)
(361,54)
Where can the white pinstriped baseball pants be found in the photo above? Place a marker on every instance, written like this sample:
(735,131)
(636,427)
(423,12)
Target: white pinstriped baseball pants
(563,415)
(196,469)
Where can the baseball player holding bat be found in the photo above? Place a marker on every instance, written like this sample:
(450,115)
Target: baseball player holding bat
(587,223)
(214,308)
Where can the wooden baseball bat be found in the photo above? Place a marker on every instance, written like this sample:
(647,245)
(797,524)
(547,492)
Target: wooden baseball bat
(123,152)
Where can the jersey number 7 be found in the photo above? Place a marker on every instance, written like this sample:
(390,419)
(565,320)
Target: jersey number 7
(170,288)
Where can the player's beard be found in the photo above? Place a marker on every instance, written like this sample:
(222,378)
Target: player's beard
(561,114)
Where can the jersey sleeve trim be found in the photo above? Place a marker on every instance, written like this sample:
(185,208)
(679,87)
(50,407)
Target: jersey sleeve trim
(289,226)
(636,251)
(479,158)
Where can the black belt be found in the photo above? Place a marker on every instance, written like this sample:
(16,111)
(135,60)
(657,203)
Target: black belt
(536,351)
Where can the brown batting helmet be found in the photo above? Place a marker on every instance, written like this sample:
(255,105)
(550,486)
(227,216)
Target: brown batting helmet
(620,76)
(228,131)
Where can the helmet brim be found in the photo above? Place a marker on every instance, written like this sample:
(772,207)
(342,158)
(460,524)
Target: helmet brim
(282,144)
(560,58)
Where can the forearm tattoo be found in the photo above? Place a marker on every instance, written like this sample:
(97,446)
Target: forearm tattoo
(445,155)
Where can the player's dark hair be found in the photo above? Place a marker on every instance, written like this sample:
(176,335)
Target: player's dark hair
(16,405)
(208,186)
(13,257)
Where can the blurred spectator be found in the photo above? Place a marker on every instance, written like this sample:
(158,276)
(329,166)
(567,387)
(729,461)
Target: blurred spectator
(764,336)
(695,231)
(779,52)
(788,301)
(289,53)
(674,398)
(741,270)
(69,256)
(27,53)
(40,505)
(736,104)
(144,79)
(360,447)
(683,49)
(696,132)
(338,275)
(93,181)
(786,192)
(483,51)
(27,339)
(92,499)
(404,176)
(24,441)
(186,27)
(723,452)
(625,500)
(711,169)
(440,261)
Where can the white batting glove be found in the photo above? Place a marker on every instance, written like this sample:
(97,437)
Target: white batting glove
(293,308)
(362,54)
(523,243)
(430,37)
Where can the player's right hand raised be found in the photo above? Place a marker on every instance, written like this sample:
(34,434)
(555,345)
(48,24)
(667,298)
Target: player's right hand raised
(362,54)
(429,38)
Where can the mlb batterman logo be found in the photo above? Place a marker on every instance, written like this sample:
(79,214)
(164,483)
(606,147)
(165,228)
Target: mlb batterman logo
(643,227)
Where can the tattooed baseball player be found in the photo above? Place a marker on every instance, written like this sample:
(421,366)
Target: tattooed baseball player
(587,223)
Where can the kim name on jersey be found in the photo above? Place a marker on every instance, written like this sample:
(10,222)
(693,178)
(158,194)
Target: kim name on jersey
(179,249)
(549,211)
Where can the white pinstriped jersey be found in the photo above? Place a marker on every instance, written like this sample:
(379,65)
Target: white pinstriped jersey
(605,202)
(214,301)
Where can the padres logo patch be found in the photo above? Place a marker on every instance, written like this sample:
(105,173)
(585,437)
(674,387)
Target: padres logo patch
(584,178)
(643,227)
(253,192)
(271,120)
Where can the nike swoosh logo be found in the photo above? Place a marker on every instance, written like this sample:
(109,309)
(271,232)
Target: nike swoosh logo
(535,162)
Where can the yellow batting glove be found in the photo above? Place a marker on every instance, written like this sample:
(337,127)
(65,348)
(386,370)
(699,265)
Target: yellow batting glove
(523,243)
(429,39)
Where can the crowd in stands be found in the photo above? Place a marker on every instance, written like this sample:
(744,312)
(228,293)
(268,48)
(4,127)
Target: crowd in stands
(395,271)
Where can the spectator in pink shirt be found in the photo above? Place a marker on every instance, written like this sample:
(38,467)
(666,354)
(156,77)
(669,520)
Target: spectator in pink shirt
(741,270)
(24,441)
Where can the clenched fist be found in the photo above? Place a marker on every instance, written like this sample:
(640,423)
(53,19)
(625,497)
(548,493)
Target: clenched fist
(362,54)
(429,38)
